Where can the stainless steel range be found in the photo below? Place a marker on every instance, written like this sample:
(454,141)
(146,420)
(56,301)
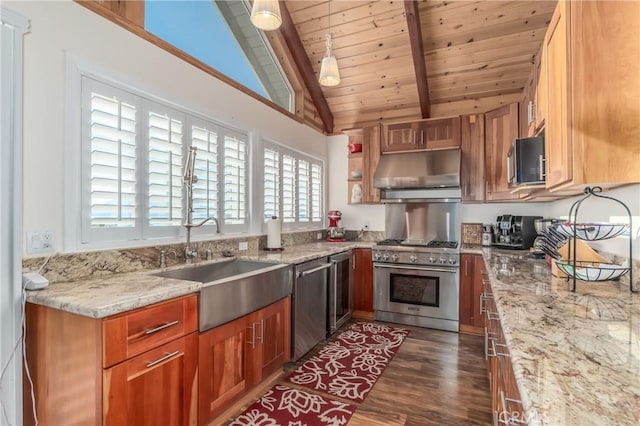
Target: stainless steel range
(416,274)
(417,283)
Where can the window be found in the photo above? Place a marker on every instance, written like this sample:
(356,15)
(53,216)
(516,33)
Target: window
(293,186)
(220,34)
(133,154)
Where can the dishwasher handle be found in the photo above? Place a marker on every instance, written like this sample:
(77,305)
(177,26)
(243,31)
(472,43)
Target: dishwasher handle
(313,270)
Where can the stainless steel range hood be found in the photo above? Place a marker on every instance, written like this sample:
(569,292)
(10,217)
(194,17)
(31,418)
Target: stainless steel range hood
(421,169)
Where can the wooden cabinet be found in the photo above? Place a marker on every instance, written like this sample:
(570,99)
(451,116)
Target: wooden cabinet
(436,133)
(592,130)
(501,126)
(139,367)
(363,284)
(558,149)
(362,165)
(237,355)
(505,397)
(472,169)
(540,102)
(472,274)
(157,387)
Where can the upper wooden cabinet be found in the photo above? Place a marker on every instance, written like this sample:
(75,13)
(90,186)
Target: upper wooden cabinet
(362,165)
(593,87)
(436,133)
(472,170)
(501,126)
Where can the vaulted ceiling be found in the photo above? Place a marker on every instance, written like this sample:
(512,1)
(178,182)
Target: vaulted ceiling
(478,55)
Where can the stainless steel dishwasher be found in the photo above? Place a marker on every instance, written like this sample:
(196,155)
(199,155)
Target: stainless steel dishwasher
(309,316)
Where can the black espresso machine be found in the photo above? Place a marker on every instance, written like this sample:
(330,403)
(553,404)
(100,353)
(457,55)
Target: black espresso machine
(514,232)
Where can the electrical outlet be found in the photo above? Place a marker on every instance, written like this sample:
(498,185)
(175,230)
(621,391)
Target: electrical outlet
(244,245)
(40,242)
(319,236)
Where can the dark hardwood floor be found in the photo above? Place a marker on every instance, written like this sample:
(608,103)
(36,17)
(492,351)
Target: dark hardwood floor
(435,378)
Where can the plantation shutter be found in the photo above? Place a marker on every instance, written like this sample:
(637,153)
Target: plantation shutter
(204,136)
(165,153)
(316,193)
(110,203)
(235,180)
(271,164)
(288,188)
(304,191)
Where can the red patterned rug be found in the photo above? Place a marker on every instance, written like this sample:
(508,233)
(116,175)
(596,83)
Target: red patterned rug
(282,405)
(349,365)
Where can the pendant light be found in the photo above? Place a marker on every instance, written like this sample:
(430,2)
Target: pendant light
(265,14)
(329,73)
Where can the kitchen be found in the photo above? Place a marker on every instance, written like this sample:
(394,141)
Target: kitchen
(46,169)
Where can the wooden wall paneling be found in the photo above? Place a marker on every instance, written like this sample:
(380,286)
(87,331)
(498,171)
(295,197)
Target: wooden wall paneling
(63,349)
(474,105)
(288,30)
(417,52)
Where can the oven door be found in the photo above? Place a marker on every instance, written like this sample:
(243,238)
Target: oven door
(414,290)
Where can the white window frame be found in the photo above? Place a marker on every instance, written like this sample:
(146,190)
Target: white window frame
(73,237)
(297,224)
(13,27)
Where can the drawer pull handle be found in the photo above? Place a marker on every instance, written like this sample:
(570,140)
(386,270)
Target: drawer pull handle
(164,358)
(161,327)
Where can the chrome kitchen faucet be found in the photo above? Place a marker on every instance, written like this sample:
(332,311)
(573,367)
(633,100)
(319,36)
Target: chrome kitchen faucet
(188,180)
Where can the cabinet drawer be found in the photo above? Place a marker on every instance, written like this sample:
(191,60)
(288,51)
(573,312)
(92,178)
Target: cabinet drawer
(135,332)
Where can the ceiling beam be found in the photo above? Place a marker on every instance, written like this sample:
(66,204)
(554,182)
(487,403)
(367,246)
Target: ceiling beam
(415,37)
(291,37)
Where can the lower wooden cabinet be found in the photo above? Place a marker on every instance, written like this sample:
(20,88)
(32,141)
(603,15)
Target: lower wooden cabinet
(235,356)
(363,284)
(157,387)
(472,274)
(134,368)
(505,397)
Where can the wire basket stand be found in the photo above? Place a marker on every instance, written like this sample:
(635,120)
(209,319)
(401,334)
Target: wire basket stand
(574,230)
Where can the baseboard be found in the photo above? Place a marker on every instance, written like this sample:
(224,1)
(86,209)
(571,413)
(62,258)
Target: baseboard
(471,329)
(364,315)
(252,396)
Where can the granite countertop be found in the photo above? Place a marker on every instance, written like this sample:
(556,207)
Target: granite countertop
(117,293)
(576,356)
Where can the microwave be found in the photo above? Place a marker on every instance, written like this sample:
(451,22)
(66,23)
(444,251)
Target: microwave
(525,161)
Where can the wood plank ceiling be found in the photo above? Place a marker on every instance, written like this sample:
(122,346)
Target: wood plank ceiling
(478,54)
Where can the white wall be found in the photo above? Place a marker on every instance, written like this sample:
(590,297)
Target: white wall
(355,216)
(599,210)
(62,27)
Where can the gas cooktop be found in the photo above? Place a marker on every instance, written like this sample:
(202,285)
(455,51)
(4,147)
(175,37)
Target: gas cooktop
(419,243)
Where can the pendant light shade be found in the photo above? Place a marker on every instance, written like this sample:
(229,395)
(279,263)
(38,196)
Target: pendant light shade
(329,73)
(265,14)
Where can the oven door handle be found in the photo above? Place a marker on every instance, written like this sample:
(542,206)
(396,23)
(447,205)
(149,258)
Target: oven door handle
(415,268)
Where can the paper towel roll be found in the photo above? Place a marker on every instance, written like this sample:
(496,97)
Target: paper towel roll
(274,229)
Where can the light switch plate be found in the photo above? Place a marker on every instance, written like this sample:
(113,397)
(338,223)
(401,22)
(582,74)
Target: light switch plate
(243,246)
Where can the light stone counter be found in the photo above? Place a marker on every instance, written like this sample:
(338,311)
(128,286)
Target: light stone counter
(116,293)
(576,356)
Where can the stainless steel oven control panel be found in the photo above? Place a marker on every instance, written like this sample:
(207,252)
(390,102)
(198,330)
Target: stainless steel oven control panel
(436,258)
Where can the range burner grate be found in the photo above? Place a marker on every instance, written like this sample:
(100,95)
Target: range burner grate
(418,243)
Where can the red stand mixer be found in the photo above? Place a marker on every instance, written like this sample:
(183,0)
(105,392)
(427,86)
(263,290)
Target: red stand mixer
(336,233)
